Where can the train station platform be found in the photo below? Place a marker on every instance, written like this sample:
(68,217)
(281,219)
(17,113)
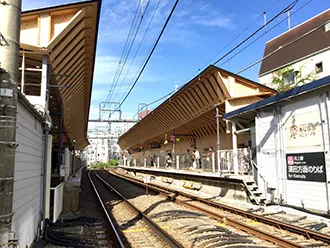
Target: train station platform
(236,187)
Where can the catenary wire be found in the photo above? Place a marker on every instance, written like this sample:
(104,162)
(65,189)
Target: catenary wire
(286,9)
(283,11)
(157,100)
(192,75)
(249,45)
(239,34)
(263,34)
(281,47)
(141,42)
(150,54)
(124,50)
(129,49)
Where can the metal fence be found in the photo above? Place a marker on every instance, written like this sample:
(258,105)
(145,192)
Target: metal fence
(243,159)
(208,163)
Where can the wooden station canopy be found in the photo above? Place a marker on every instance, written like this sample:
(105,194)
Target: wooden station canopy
(67,35)
(191,110)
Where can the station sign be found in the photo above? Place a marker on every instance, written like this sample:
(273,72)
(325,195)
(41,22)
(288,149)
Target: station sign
(303,130)
(306,166)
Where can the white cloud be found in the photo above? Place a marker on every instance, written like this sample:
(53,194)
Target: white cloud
(117,17)
(220,22)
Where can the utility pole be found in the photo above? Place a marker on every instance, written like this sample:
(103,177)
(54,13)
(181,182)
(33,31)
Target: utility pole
(10,23)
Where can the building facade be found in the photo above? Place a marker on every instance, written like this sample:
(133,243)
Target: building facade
(56,62)
(290,134)
(304,50)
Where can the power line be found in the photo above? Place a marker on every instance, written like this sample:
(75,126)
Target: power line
(125,46)
(248,46)
(159,99)
(150,54)
(145,33)
(129,49)
(263,34)
(232,41)
(239,34)
(286,9)
(281,47)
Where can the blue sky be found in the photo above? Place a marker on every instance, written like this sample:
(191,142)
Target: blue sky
(197,31)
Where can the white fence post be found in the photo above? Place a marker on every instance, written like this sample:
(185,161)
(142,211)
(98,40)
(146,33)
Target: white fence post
(213,161)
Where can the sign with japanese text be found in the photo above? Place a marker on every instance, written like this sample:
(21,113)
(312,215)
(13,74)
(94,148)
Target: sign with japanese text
(306,166)
(303,130)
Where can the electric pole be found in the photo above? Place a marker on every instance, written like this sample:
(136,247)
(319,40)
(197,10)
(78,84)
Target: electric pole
(10,23)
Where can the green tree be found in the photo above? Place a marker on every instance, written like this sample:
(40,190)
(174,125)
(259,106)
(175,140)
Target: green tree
(287,78)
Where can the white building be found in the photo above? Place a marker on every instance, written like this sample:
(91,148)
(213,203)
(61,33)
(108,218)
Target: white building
(98,150)
(305,47)
(290,136)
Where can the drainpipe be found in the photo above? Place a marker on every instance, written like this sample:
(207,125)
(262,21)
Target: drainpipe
(59,155)
(324,148)
(282,152)
(217,116)
(45,201)
(277,156)
(9,60)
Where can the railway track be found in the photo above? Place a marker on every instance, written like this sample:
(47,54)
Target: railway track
(277,232)
(131,227)
(189,227)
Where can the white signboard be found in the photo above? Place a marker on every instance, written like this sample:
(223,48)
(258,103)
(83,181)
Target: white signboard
(303,130)
(6,92)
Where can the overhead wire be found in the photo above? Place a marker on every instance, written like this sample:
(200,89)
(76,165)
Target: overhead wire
(141,42)
(157,100)
(124,49)
(251,44)
(283,46)
(230,42)
(286,9)
(150,54)
(263,35)
(239,34)
(129,49)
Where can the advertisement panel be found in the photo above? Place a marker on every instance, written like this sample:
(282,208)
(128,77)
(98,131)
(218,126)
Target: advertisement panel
(306,166)
(303,130)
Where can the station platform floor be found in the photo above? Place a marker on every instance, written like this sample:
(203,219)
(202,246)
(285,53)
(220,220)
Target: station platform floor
(193,172)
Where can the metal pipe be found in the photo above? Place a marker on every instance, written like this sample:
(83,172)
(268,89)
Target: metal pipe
(217,116)
(59,155)
(44,172)
(9,59)
(279,176)
(324,150)
(23,72)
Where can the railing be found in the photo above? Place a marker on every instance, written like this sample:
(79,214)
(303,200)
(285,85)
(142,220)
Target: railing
(57,201)
(208,163)
(243,159)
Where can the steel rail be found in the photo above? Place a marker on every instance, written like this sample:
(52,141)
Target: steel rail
(118,239)
(279,224)
(161,233)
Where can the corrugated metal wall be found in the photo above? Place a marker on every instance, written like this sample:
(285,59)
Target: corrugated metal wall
(28,180)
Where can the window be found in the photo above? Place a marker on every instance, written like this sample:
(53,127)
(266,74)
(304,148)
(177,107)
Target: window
(289,78)
(318,67)
(327,27)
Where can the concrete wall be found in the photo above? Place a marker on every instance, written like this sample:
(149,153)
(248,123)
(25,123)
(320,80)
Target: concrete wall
(28,179)
(308,66)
